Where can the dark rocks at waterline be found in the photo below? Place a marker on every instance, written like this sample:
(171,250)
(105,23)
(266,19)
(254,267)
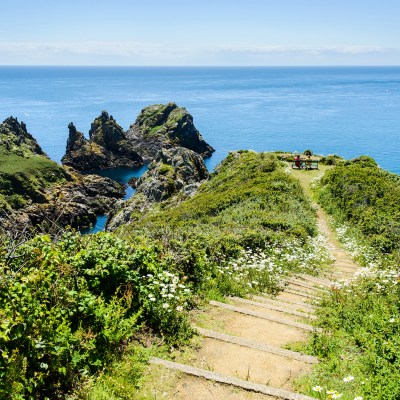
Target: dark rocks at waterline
(157,127)
(74,204)
(166,126)
(172,170)
(175,171)
(107,147)
(133,182)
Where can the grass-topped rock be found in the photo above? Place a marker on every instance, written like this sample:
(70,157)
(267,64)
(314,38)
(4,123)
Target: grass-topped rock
(250,200)
(165,126)
(25,170)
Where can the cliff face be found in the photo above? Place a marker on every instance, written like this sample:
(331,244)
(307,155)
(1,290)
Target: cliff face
(172,170)
(35,190)
(166,126)
(107,147)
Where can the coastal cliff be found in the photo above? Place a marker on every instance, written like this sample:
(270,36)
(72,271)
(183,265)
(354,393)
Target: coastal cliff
(35,190)
(175,171)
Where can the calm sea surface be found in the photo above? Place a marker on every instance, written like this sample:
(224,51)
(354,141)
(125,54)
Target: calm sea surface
(348,111)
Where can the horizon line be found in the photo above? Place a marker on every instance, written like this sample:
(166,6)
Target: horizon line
(201,66)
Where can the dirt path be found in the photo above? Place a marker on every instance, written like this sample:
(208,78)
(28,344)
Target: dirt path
(243,351)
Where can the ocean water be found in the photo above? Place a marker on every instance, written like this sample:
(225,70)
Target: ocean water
(347,111)
(122,175)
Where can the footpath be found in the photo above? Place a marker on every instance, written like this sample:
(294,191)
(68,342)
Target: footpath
(243,351)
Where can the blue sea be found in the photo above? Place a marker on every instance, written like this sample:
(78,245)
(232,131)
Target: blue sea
(347,111)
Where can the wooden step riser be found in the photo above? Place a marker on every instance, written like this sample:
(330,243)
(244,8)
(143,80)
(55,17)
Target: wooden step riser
(229,380)
(274,308)
(257,346)
(286,303)
(267,317)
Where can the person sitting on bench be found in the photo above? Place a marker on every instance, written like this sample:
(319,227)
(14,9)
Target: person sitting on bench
(308,163)
(297,161)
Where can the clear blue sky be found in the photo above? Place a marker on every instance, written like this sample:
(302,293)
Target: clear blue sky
(200,32)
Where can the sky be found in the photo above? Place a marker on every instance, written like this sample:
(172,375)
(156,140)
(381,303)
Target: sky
(200,32)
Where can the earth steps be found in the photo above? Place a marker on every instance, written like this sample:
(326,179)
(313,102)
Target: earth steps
(273,307)
(222,378)
(257,314)
(313,279)
(306,285)
(256,345)
(301,294)
(298,300)
(297,305)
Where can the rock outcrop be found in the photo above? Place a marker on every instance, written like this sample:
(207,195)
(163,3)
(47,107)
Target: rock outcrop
(16,139)
(175,171)
(35,190)
(165,126)
(107,147)
(74,203)
(172,170)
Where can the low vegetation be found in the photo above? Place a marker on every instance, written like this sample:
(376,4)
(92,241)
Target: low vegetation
(360,320)
(81,315)
(366,198)
(70,307)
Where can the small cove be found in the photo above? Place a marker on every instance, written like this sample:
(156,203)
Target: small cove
(121,175)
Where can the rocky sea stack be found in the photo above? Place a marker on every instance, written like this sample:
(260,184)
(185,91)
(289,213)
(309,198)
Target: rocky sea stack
(107,147)
(160,126)
(165,126)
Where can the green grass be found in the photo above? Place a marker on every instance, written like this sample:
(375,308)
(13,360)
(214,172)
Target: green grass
(25,178)
(249,201)
(366,197)
(11,163)
(360,338)
(358,344)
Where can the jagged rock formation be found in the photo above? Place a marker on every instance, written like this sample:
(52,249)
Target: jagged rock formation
(35,190)
(166,126)
(107,147)
(15,138)
(157,127)
(175,170)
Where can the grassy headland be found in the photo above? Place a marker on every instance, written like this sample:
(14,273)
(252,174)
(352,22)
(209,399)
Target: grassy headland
(71,307)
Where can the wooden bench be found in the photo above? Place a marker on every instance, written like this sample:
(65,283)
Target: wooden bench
(306,164)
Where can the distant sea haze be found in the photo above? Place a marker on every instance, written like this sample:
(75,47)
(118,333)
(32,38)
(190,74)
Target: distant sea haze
(348,111)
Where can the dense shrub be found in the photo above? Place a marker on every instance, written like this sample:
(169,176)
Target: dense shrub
(67,307)
(367,197)
(359,339)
